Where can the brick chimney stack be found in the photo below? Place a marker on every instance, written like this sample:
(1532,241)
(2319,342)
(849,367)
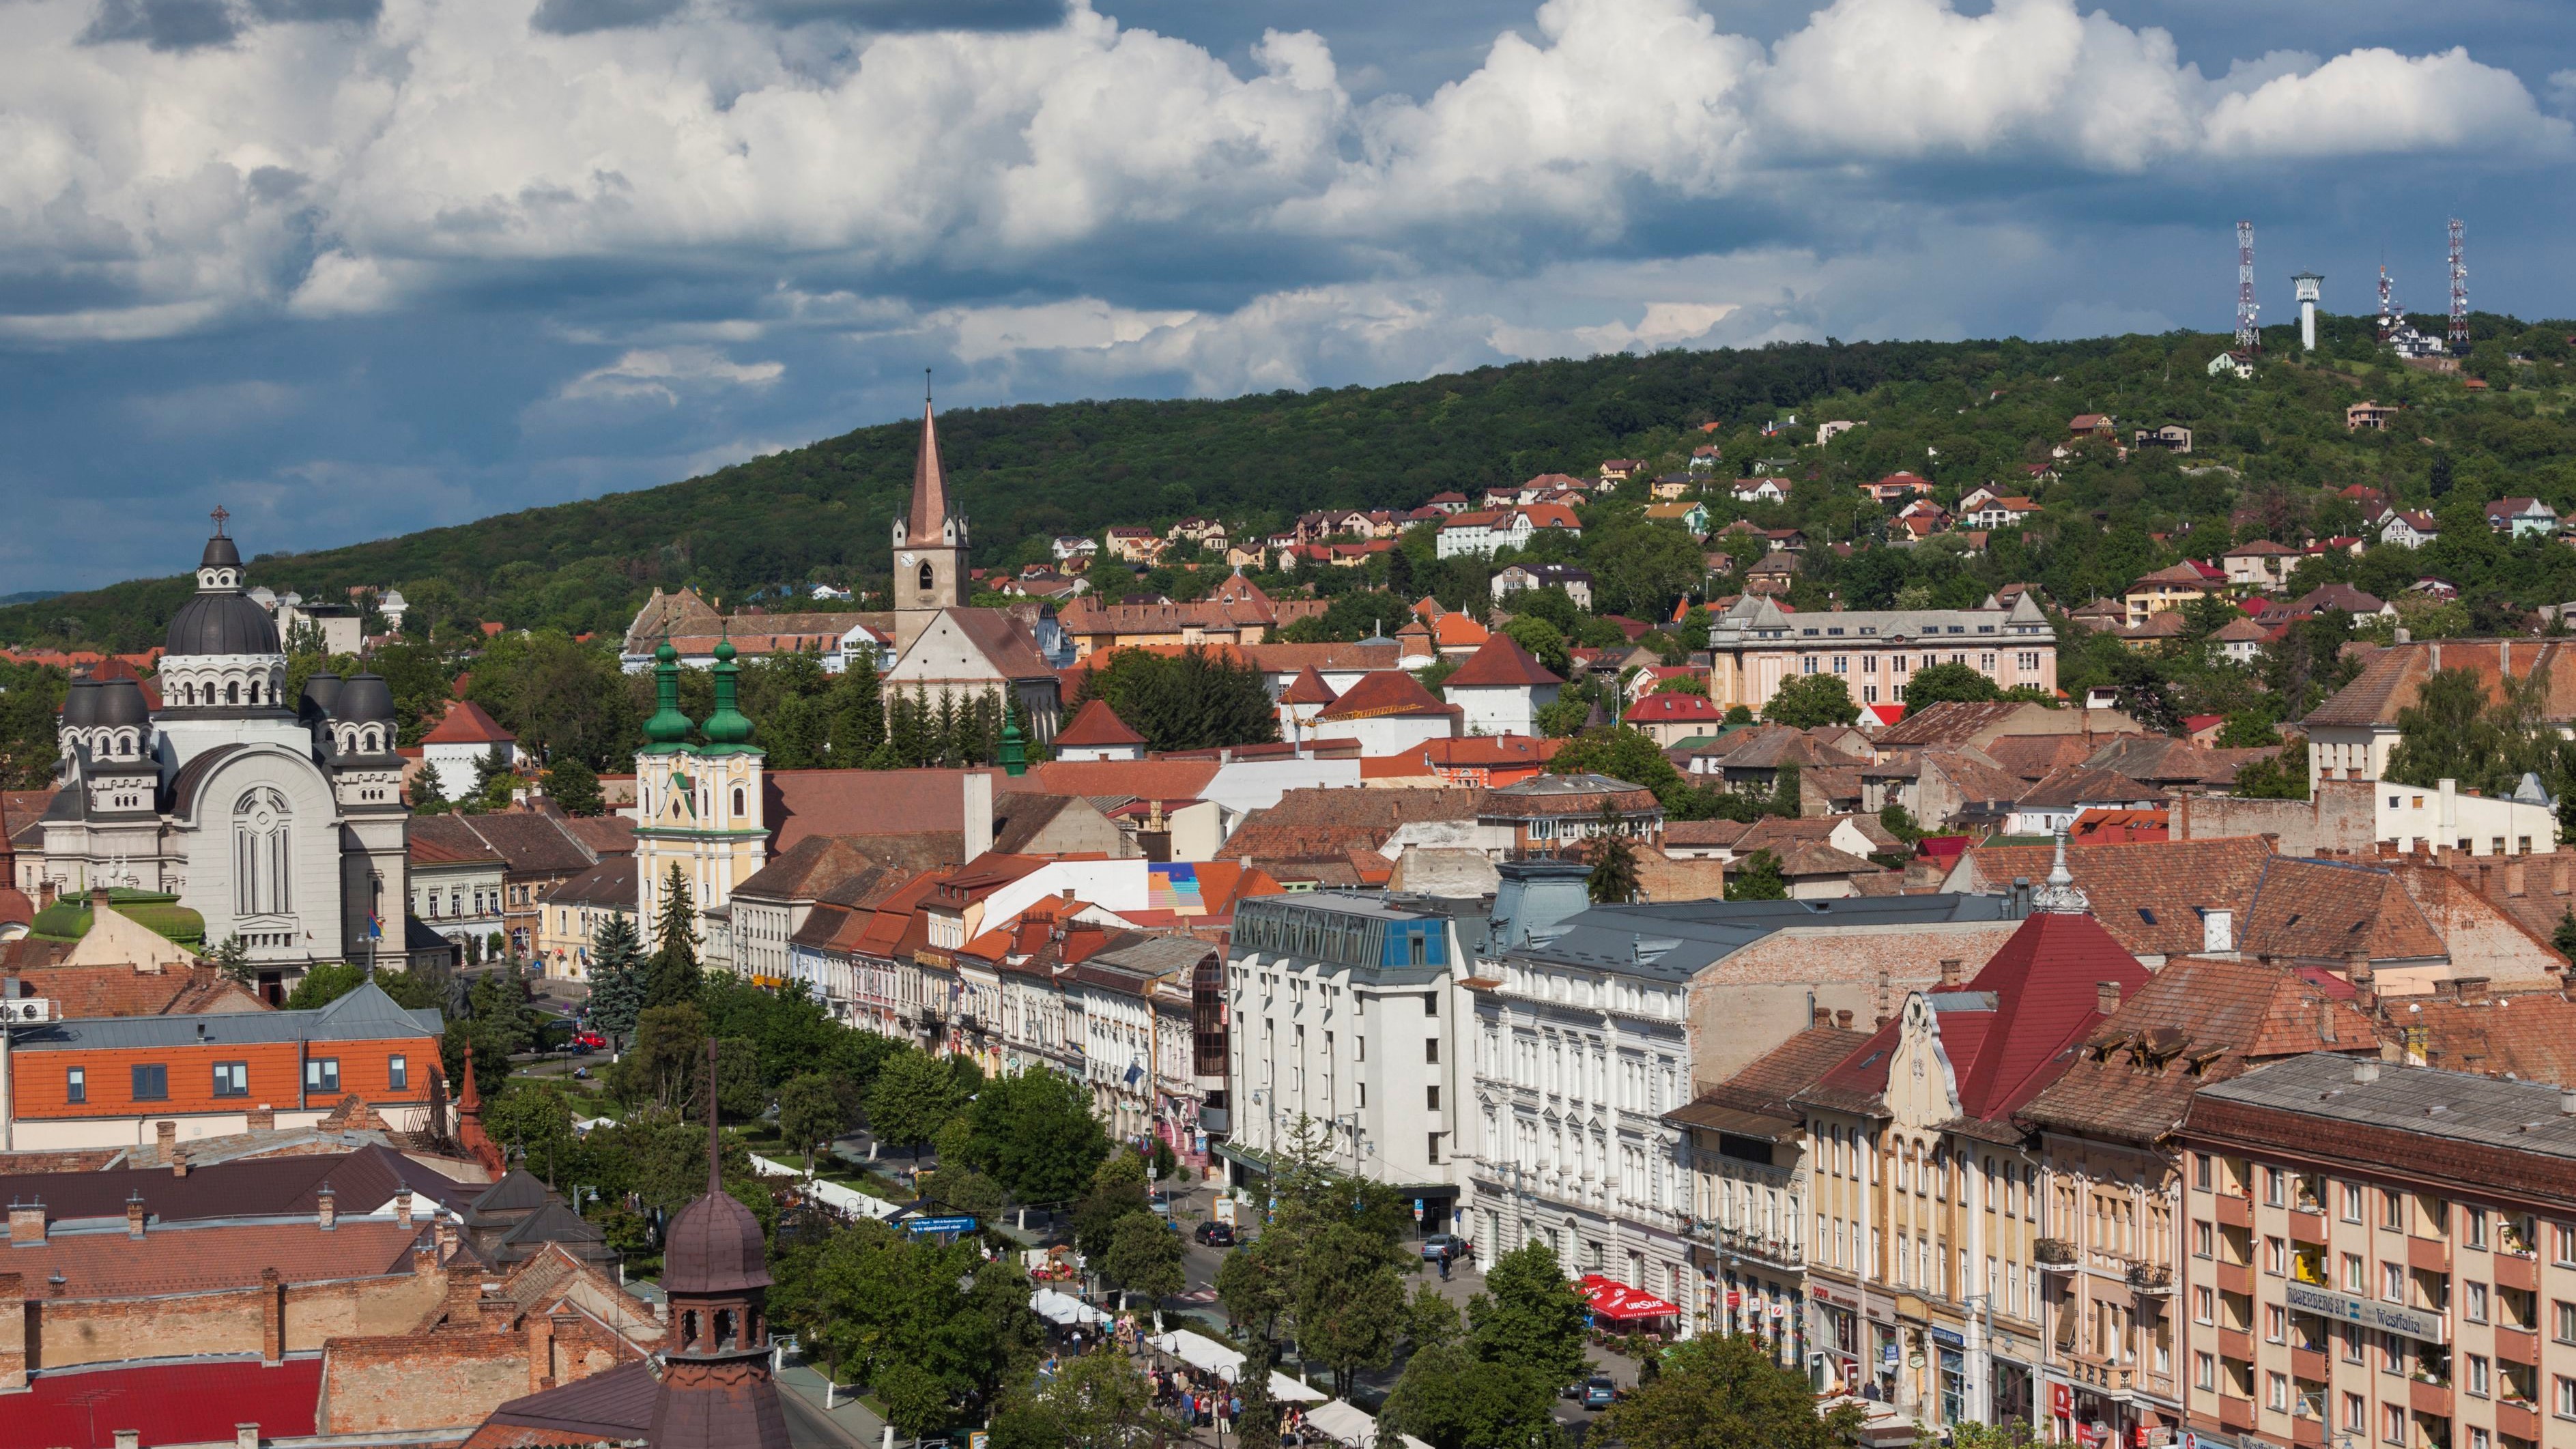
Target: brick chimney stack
(327,1207)
(2106,997)
(134,1216)
(26,1222)
(1950,973)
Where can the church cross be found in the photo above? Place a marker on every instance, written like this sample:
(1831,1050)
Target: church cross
(219,516)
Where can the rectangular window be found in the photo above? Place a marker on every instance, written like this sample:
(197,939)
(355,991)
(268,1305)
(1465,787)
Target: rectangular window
(2276,1257)
(2205,1370)
(2276,1323)
(152,1083)
(2392,1423)
(2204,1305)
(2272,1187)
(2352,1202)
(2566,1398)
(1433,1092)
(2352,1279)
(398,1073)
(2392,1282)
(2566,1316)
(2473,1301)
(76,1085)
(1431,1048)
(2392,1209)
(2204,1240)
(232,1079)
(1433,1150)
(2354,1406)
(322,1074)
(2200,1171)
(2477,1375)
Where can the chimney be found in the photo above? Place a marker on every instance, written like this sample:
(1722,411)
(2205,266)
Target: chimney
(263,1118)
(2567,1104)
(1820,1016)
(2472,990)
(129,1439)
(245,1436)
(2365,1071)
(97,900)
(26,1223)
(2513,877)
(272,1318)
(402,1207)
(2446,988)
(1886,994)
(1950,973)
(2106,997)
(167,1134)
(134,1216)
(2218,932)
(2557,873)
(45,892)
(424,1262)
(978,803)
(2365,982)
(327,1207)
(1843,1019)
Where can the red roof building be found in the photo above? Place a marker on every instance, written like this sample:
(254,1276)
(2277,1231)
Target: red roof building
(1097,733)
(1669,719)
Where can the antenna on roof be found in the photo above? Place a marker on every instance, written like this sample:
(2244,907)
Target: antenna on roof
(925,387)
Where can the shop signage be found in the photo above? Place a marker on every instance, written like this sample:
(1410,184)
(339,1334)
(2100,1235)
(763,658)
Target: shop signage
(1823,1294)
(941,1225)
(1734,1299)
(1887,1354)
(2061,1401)
(1946,1338)
(2387,1317)
(1779,1309)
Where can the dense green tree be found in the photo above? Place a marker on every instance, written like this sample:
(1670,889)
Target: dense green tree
(1939,683)
(574,785)
(1544,640)
(1034,1132)
(31,703)
(562,698)
(1613,879)
(1451,1399)
(1193,700)
(672,979)
(1529,1317)
(854,714)
(664,1066)
(617,974)
(1725,1392)
(2283,777)
(914,1096)
(813,1109)
(1806,701)
(1758,879)
(1145,1257)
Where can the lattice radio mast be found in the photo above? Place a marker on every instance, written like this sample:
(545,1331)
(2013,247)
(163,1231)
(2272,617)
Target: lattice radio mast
(2459,291)
(2387,304)
(2249,338)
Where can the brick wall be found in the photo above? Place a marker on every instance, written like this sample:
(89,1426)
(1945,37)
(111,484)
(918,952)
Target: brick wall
(420,1380)
(65,1332)
(2340,818)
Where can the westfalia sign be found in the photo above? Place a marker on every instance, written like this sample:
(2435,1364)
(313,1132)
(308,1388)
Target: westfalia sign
(2387,1317)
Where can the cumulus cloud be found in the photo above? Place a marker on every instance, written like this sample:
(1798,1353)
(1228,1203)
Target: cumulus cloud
(190,159)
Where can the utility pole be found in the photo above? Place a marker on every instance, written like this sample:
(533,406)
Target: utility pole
(2249,337)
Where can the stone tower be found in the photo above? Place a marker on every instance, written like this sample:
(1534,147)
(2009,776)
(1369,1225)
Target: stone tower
(929,546)
(716,1392)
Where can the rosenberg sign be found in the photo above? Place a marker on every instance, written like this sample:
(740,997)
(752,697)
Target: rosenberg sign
(2387,1317)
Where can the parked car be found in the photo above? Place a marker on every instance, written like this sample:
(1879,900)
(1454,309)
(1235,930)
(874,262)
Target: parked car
(592,1040)
(1445,1248)
(1160,1202)
(1216,1234)
(1599,1392)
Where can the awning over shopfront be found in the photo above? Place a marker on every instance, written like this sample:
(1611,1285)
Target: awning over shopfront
(1618,1303)
(1064,1308)
(1209,1356)
(1350,1427)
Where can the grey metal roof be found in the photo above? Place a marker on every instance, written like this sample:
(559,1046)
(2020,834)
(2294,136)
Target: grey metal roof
(366,1014)
(1674,941)
(1156,955)
(2425,1101)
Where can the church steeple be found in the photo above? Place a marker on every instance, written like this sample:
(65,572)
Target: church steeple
(929,543)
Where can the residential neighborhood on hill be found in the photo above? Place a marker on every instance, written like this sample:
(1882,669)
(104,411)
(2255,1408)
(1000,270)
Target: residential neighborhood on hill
(2059,922)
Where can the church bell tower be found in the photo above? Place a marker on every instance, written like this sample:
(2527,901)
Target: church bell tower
(929,545)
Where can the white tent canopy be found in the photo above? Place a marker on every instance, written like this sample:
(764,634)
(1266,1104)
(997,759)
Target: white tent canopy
(1350,1426)
(1064,1308)
(1209,1356)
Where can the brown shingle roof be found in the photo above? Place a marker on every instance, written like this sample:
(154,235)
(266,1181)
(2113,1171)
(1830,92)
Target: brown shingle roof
(2325,910)
(1500,661)
(1320,824)
(2390,679)
(2074,786)
(1761,1091)
(2530,1036)
(186,1258)
(1096,724)
(1384,693)
(1949,723)
(2199,1020)
(2144,893)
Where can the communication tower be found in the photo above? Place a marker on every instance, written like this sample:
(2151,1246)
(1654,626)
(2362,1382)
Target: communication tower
(2307,285)
(2459,292)
(2249,339)
(2387,304)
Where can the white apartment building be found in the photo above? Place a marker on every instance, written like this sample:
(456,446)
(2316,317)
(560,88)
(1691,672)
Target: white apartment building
(1579,1054)
(1341,1010)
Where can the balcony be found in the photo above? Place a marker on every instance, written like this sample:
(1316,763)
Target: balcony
(2515,1345)
(2236,1343)
(2428,1396)
(2519,1418)
(2101,1374)
(1746,1243)
(2055,1255)
(2234,1210)
(2308,1225)
(2310,1364)
(2151,1280)
(2431,1255)
(2235,1415)
(2233,1277)
(2517,1270)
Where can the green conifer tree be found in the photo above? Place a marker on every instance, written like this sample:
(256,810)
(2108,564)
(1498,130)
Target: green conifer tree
(673,980)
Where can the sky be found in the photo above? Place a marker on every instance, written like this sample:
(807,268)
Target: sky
(351,268)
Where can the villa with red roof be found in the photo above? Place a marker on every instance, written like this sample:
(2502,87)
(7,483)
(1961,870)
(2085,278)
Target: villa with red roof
(1388,711)
(1501,688)
(1669,719)
(1097,733)
(459,744)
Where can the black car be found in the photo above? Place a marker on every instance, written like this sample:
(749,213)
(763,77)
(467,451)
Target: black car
(1215,1234)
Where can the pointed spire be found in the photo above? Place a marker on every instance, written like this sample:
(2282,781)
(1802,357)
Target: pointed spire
(668,729)
(2061,896)
(728,729)
(715,1150)
(929,517)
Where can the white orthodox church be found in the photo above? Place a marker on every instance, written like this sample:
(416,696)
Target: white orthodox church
(279,822)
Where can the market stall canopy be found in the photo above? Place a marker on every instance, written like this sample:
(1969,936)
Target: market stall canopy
(1209,1356)
(1064,1308)
(1349,1426)
(1617,1301)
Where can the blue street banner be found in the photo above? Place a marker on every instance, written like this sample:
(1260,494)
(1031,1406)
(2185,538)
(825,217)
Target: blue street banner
(941,1225)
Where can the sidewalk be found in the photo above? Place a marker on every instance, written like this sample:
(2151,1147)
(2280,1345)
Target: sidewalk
(853,1419)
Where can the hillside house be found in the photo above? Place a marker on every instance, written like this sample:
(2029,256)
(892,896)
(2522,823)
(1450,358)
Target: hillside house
(2522,517)
(2173,437)
(2409,528)
(2261,564)
(1897,487)
(1759,490)
(2187,582)
(1691,516)
(1514,578)
(2367,415)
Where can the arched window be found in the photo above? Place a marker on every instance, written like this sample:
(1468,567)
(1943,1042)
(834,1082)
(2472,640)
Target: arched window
(263,863)
(737,800)
(929,580)
(232,693)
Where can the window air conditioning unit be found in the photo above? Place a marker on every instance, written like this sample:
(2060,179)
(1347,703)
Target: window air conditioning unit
(26,1011)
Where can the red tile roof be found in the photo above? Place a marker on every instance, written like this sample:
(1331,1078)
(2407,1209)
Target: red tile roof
(1675,709)
(466,723)
(1384,693)
(1096,724)
(1501,662)
(1309,688)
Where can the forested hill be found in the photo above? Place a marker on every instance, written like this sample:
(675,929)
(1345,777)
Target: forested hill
(1963,413)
